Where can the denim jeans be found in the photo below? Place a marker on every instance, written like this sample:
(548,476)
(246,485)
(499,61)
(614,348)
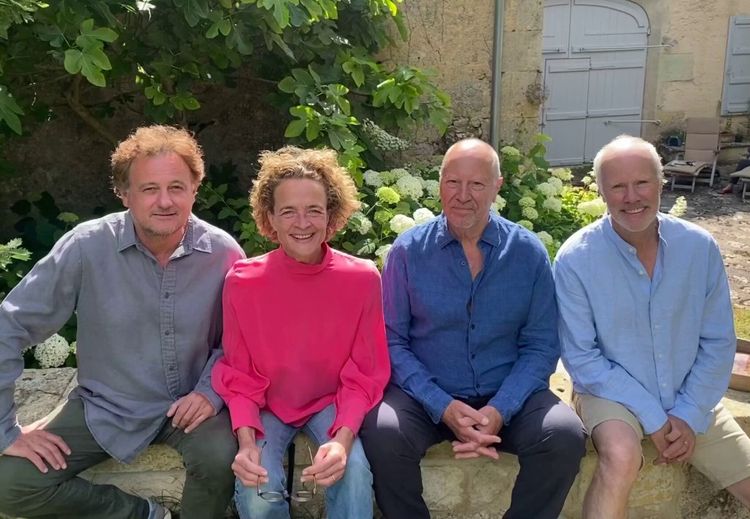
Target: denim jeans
(349,498)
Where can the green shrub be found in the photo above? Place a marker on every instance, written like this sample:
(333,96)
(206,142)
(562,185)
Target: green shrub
(537,197)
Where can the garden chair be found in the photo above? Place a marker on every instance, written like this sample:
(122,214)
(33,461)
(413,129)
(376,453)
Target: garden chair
(744,176)
(701,152)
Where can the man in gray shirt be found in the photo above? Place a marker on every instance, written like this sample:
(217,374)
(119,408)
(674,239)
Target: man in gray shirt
(146,286)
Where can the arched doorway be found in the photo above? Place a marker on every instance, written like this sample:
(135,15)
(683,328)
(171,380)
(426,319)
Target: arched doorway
(594,54)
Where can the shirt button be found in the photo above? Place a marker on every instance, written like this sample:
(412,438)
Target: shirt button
(473,326)
(166,295)
(463,263)
(172,367)
(166,332)
(663,384)
(473,355)
(642,273)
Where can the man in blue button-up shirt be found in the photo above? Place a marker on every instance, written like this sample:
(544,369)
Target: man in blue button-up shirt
(145,285)
(647,335)
(471,322)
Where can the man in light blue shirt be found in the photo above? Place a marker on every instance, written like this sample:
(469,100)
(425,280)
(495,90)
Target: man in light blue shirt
(472,333)
(647,335)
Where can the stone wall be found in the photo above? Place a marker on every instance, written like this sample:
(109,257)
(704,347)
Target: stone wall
(687,78)
(469,489)
(455,39)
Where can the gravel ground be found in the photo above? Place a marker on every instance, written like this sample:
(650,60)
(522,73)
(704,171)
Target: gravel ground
(727,218)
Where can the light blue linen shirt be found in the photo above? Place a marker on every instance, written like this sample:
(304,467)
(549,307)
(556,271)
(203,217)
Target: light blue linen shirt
(660,345)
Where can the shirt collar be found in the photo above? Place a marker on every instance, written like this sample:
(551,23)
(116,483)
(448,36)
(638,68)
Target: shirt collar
(490,235)
(624,246)
(196,236)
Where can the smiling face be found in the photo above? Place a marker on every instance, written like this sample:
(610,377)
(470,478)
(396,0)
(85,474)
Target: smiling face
(469,182)
(631,188)
(300,218)
(160,195)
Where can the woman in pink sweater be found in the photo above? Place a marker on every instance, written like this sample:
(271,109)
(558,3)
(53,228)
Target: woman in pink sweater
(304,341)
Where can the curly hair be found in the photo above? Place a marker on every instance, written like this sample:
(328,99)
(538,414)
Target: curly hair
(150,141)
(320,165)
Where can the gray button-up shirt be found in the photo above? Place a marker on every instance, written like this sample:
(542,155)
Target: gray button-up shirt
(147,335)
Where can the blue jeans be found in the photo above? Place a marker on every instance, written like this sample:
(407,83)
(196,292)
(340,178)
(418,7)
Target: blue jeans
(349,498)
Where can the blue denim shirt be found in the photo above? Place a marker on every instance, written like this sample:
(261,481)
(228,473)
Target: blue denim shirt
(660,345)
(453,337)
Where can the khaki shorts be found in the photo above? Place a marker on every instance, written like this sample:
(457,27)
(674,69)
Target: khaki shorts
(722,454)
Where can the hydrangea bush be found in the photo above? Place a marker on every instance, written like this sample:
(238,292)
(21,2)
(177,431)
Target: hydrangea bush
(540,198)
(52,353)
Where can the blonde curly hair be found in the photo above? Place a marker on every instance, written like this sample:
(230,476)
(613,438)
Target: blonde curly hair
(320,165)
(150,141)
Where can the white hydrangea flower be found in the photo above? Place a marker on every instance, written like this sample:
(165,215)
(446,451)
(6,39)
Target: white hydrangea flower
(510,151)
(382,139)
(526,201)
(432,187)
(409,186)
(546,189)
(594,208)
(552,204)
(529,213)
(387,177)
(423,215)
(382,251)
(563,174)
(52,352)
(679,207)
(361,223)
(557,183)
(516,182)
(399,172)
(545,237)
(373,178)
(499,204)
(526,223)
(400,223)
(594,187)
(587,180)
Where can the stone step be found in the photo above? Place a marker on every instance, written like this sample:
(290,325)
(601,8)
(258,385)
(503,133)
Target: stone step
(469,489)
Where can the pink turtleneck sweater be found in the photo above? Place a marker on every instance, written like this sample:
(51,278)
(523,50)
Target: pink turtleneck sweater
(298,337)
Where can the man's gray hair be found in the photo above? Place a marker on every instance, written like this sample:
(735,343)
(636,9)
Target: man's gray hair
(626,141)
(475,141)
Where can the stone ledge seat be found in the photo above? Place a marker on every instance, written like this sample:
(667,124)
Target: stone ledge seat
(470,489)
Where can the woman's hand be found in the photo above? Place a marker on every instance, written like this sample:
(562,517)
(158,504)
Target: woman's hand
(329,463)
(246,465)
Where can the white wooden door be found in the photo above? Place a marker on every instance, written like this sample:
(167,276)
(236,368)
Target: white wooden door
(594,69)
(736,96)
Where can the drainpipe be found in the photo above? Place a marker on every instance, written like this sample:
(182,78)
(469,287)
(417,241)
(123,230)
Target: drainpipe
(497,61)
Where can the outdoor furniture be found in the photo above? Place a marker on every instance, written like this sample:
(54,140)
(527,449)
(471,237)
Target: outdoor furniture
(701,152)
(744,176)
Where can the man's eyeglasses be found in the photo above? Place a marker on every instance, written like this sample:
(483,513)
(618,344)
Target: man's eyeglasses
(301,495)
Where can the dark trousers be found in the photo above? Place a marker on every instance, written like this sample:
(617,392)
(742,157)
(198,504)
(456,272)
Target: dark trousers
(742,164)
(207,451)
(546,435)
